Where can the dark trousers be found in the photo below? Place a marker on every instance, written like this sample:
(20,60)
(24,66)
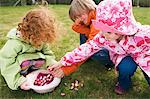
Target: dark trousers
(126,69)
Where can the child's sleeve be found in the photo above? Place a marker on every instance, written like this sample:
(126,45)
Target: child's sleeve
(70,69)
(84,51)
(91,16)
(82,29)
(50,57)
(9,66)
(93,32)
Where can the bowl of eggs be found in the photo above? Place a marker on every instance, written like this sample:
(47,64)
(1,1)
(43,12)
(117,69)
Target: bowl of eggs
(42,81)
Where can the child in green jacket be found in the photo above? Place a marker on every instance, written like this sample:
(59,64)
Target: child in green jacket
(27,48)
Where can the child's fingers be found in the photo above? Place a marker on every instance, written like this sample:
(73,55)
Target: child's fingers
(53,73)
(58,73)
(50,68)
(56,68)
(53,68)
(78,21)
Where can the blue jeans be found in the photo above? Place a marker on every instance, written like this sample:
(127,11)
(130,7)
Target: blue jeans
(102,56)
(126,69)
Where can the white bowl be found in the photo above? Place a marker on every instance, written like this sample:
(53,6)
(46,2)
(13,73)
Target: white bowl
(42,89)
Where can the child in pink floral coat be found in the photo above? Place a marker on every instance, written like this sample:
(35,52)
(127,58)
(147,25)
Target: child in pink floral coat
(128,43)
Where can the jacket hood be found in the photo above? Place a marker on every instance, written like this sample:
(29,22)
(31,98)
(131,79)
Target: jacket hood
(14,34)
(116,16)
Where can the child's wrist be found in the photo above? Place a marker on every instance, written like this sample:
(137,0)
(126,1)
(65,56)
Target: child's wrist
(64,70)
(60,64)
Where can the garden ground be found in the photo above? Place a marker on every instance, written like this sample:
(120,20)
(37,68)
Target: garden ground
(98,82)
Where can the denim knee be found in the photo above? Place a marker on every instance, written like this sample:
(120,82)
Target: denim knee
(127,66)
(126,69)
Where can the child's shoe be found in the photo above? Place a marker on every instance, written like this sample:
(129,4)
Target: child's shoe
(119,90)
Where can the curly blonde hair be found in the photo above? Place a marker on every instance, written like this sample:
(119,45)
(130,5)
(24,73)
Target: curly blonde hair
(37,27)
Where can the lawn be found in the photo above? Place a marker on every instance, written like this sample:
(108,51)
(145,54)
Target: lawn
(98,82)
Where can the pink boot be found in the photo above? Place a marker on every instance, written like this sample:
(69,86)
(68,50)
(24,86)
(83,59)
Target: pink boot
(119,90)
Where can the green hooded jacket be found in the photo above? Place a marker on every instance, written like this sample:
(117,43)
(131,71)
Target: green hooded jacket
(14,52)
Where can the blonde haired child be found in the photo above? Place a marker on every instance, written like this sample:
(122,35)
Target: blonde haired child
(27,48)
(81,7)
(82,12)
(127,41)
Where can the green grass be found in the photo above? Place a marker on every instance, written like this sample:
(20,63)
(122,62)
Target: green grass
(98,82)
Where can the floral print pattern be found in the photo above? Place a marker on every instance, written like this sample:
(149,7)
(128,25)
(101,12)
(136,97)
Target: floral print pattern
(116,16)
(136,46)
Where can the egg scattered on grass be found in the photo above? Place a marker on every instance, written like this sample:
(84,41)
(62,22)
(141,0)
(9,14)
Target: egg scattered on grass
(62,94)
(75,85)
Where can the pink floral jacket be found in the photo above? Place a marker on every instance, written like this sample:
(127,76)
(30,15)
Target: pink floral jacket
(137,46)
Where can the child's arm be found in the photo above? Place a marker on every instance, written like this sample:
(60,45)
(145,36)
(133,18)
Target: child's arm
(93,30)
(9,66)
(70,69)
(59,70)
(79,54)
(84,51)
(81,28)
(72,60)
(89,48)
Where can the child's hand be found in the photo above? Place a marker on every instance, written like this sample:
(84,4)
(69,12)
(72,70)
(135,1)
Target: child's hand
(54,66)
(25,85)
(78,21)
(84,18)
(56,70)
(58,73)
